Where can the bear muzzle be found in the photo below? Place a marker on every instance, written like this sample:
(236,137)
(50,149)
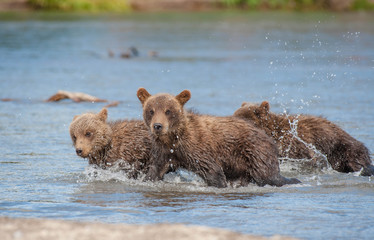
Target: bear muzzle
(79,151)
(157,127)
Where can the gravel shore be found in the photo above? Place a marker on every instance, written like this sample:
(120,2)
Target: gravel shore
(39,229)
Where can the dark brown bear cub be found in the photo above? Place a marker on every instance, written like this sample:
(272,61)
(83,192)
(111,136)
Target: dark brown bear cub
(343,152)
(215,148)
(104,143)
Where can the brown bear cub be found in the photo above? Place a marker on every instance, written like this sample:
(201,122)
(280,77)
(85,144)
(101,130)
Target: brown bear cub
(304,136)
(215,148)
(105,143)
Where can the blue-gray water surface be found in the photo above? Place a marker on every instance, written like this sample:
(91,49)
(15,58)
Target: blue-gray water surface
(314,63)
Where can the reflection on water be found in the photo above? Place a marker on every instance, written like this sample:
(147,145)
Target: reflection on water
(313,63)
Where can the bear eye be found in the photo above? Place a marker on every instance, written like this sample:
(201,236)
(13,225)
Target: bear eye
(167,112)
(151,112)
(88,134)
(74,138)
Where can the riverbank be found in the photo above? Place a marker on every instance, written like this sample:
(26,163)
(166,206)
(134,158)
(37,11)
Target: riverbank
(38,229)
(186,5)
(14,5)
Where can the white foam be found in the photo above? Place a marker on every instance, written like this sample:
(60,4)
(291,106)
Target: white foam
(178,181)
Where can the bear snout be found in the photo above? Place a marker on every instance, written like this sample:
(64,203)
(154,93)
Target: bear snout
(79,151)
(157,127)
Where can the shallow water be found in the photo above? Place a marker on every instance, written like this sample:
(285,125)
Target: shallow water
(315,63)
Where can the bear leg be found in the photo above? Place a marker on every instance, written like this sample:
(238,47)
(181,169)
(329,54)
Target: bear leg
(157,170)
(216,179)
(368,171)
(279,181)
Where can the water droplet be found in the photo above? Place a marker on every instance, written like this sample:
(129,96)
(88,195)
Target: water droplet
(171,150)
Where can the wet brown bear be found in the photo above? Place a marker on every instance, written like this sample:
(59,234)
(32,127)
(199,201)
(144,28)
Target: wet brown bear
(309,137)
(104,143)
(215,148)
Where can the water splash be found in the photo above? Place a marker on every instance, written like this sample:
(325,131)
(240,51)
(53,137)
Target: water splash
(93,173)
(318,160)
(179,181)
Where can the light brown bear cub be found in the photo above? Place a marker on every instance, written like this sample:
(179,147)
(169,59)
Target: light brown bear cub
(343,152)
(215,148)
(104,143)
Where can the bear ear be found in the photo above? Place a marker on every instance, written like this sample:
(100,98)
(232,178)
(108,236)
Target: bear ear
(75,117)
(143,95)
(103,114)
(265,106)
(183,97)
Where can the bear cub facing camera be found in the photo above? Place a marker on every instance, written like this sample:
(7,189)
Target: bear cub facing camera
(218,149)
(105,143)
(343,152)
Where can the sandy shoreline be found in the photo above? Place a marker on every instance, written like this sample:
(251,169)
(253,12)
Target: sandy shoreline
(30,229)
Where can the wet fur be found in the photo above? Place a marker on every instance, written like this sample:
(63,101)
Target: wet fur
(109,142)
(343,152)
(218,149)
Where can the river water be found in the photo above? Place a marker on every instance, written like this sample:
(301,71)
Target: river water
(315,63)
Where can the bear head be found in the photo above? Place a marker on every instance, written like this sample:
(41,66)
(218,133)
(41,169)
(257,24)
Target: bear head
(256,113)
(90,133)
(163,113)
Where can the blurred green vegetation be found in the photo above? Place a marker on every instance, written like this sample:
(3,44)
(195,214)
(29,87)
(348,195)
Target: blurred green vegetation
(300,4)
(275,4)
(81,5)
(124,5)
(363,5)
